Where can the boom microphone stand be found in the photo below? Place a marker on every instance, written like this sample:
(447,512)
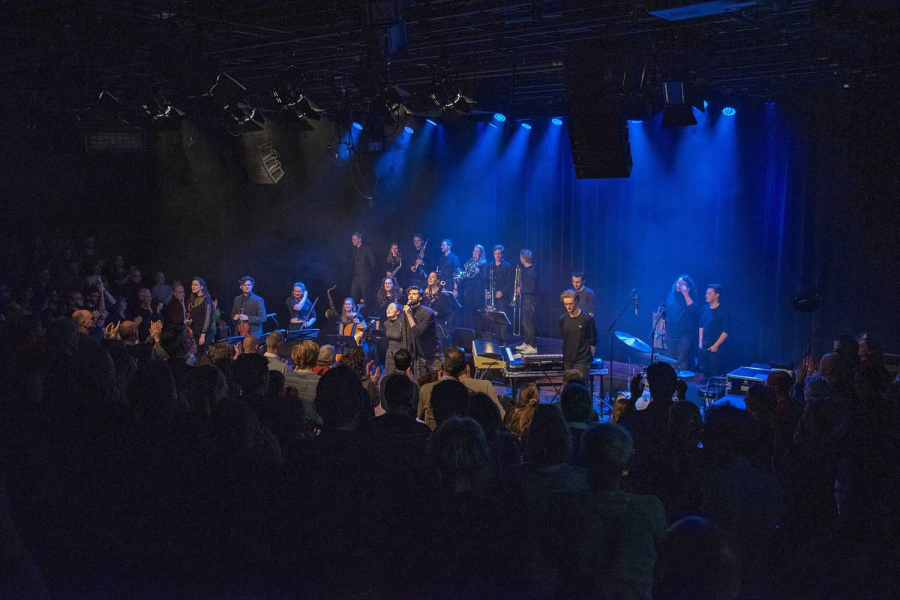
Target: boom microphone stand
(653,334)
(612,342)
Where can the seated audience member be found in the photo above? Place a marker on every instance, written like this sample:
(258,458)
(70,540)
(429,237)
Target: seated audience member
(146,313)
(872,378)
(545,471)
(604,540)
(325,360)
(621,407)
(250,344)
(355,358)
(160,291)
(304,356)
(399,394)
(273,344)
(766,444)
(504,450)
(743,500)
(448,398)
(576,406)
(787,409)
(649,428)
(518,420)
(405,359)
(205,388)
(677,485)
(454,368)
(572,375)
(221,351)
(697,561)
(251,372)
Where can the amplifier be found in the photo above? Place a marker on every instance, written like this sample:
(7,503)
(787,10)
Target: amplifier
(742,379)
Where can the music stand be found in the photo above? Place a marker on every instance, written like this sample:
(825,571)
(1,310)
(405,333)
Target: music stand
(495,317)
(341,343)
(300,335)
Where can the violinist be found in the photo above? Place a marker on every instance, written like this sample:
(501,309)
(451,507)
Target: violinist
(303,313)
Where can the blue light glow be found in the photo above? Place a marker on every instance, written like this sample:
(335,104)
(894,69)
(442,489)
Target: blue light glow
(357,126)
(634,122)
(705,105)
(430,121)
(526,126)
(409,129)
(729,111)
(556,121)
(499,117)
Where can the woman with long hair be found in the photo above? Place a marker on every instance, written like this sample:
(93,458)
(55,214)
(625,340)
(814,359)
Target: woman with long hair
(200,314)
(390,292)
(518,420)
(682,321)
(394,260)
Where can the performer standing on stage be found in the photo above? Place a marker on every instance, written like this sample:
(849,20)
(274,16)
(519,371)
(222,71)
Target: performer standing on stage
(682,318)
(443,303)
(715,322)
(199,313)
(527,293)
(500,274)
(249,308)
(421,334)
(416,273)
(362,265)
(447,263)
(303,313)
(393,332)
(585,293)
(579,334)
(472,284)
(390,292)
(394,261)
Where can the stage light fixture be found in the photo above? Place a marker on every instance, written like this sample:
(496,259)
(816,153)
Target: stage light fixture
(430,121)
(500,117)
(705,105)
(526,126)
(357,125)
(556,121)
(409,129)
(445,94)
(729,111)
(677,111)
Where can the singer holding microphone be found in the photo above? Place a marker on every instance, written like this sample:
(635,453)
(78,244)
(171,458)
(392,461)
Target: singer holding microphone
(248,310)
(421,333)
(682,320)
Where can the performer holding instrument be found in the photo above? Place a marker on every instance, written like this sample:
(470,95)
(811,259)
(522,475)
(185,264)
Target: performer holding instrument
(352,323)
(525,297)
(416,274)
(302,311)
(248,309)
(470,279)
(443,303)
(498,288)
(394,261)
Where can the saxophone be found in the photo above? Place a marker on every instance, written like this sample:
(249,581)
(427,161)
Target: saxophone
(332,311)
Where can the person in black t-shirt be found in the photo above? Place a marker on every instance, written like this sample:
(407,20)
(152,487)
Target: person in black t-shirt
(682,317)
(501,274)
(579,334)
(715,322)
(447,263)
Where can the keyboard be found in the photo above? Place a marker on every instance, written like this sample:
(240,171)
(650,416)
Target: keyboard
(542,362)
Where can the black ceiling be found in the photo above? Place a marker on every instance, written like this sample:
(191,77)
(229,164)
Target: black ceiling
(505,54)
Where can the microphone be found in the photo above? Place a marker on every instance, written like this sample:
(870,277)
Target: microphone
(635,292)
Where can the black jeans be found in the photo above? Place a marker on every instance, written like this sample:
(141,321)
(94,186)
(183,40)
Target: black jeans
(679,348)
(528,303)
(712,363)
(359,288)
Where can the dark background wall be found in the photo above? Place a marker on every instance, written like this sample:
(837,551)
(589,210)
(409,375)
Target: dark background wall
(781,198)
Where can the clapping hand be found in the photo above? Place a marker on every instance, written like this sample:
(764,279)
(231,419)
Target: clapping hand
(111,331)
(156,328)
(373,371)
(159,306)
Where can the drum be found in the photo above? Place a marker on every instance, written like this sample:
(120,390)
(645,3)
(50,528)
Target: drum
(714,389)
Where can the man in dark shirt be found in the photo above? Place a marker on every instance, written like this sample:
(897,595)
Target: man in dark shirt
(585,293)
(421,334)
(715,324)
(249,308)
(418,269)
(527,291)
(362,265)
(579,334)
(448,262)
(682,317)
(501,275)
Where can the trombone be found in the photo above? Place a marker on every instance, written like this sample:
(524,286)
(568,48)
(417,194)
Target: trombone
(516,303)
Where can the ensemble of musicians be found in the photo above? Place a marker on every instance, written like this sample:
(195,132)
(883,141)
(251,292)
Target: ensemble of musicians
(416,302)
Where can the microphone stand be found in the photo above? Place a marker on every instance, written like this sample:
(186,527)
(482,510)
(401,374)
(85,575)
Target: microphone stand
(612,343)
(653,333)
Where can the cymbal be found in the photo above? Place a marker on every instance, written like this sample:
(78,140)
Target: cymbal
(685,374)
(633,342)
(657,357)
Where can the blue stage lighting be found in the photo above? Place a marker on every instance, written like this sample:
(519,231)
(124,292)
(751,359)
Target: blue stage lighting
(526,126)
(705,105)
(635,122)
(729,111)
(499,117)
(556,121)
(430,121)
(357,126)
(409,129)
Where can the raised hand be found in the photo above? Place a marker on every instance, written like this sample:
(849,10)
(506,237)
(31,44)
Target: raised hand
(156,328)
(637,387)
(111,331)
